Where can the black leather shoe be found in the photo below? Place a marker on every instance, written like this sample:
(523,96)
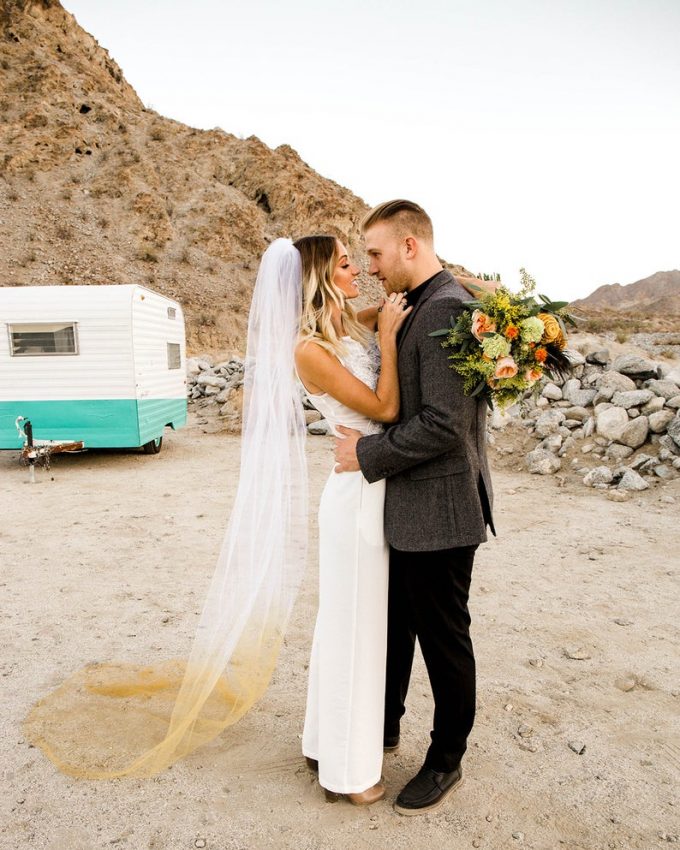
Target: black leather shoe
(390,743)
(427,791)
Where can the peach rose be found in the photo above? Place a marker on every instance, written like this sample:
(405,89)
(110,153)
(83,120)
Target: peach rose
(532,375)
(481,324)
(505,368)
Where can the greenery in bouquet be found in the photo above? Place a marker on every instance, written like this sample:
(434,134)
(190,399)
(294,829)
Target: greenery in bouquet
(503,343)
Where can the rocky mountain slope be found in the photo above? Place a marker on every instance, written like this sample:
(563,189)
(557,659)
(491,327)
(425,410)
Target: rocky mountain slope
(95,188)
(649,304)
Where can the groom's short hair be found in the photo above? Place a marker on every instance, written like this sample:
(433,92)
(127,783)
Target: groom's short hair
(406,216)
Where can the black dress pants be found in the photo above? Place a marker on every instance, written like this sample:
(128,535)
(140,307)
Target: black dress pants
(428,599)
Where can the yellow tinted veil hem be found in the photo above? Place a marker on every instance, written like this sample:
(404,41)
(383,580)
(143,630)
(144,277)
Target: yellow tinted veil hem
(112,720)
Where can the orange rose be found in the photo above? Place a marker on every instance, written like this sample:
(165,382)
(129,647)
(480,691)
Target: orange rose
(511,332)
(482,324)
(541,355)
(532,375)
(505,368)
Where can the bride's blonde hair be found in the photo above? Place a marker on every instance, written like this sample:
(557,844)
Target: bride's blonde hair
(319,256)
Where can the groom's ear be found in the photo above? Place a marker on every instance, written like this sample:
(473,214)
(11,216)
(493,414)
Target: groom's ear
(411,244)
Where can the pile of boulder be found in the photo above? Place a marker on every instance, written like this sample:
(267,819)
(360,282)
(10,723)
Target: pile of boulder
(218,387)
(620,419)
(617,423)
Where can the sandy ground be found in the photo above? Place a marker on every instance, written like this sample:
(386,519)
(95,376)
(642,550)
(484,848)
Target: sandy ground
(108,555)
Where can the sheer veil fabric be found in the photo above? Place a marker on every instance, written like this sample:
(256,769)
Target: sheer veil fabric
(111,720)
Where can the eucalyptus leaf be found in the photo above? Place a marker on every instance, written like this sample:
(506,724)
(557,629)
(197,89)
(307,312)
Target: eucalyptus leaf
(442,332)
(477,390)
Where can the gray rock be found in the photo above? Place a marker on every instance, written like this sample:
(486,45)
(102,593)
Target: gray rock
(598,475)
(579,413)
(653,405)
(618,452)
(641,460)
(570,386)
(673,429)
(631,480)
(575,357)
(674,403)
(552,392)
(571,423)
(636,367)
(676,463)
(659,421)
(582,398)
(552,443)
(612,381)
(542,462)
(567,445)
(664,388)
(635,432)
(589,426)
(665,473)
(224,395)
(207,380)
(665,455)
(611,422)
(578,747)
(587,448)
(631,398)
(633,412)
(603,405)
(210,390)
(667,442)
(601,357)
(192,367)
(319,429)
(549,422)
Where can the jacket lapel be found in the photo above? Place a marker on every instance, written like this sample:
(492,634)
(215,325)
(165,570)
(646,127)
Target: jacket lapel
(443,277)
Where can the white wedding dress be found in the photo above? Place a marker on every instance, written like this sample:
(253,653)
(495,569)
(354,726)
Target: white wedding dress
(346,692)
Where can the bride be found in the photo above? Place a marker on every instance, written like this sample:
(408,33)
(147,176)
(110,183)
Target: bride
(351,380)
(111,720)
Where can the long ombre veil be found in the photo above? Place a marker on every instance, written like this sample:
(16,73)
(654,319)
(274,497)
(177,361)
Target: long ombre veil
(110,720)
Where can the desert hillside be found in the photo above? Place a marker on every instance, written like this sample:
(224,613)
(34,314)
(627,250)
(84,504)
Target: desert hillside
(95,188)
(651,304)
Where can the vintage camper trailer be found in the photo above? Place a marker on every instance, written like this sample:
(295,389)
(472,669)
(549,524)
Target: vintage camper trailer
(101,365)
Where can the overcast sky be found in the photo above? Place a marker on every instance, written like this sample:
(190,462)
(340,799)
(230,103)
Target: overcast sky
(536,133)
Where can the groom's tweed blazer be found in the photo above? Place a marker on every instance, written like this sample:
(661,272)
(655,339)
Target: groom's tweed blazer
(434,458)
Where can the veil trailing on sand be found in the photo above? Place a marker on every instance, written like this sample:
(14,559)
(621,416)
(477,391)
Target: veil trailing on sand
(111,720)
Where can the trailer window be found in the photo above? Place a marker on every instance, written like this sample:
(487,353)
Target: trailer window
(43,338)
(172,313)
(174,356)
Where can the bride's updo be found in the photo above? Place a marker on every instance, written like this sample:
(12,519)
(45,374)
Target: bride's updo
(319,256)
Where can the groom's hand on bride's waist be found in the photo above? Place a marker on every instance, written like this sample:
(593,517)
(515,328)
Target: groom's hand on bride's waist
(346,449)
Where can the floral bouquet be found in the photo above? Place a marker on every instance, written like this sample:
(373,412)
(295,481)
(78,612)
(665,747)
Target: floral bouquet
(504,343)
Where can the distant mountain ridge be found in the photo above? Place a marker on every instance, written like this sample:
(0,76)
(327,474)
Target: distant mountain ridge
(658,293)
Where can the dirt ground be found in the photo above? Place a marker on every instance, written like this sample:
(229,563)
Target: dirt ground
(575,616)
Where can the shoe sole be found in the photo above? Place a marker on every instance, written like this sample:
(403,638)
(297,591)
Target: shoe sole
(394,749)
(433,806)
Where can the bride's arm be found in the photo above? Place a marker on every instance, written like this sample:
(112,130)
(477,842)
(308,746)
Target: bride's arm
(321,372)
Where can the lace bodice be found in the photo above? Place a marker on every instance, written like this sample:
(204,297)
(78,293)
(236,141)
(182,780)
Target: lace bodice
(364,364)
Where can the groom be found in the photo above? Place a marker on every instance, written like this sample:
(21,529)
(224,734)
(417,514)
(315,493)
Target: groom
(437,502)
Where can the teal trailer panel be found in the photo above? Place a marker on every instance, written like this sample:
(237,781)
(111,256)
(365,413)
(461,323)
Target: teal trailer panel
(98,423)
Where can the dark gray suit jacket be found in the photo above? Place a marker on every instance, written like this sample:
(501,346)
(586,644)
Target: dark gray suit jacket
(434,458)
